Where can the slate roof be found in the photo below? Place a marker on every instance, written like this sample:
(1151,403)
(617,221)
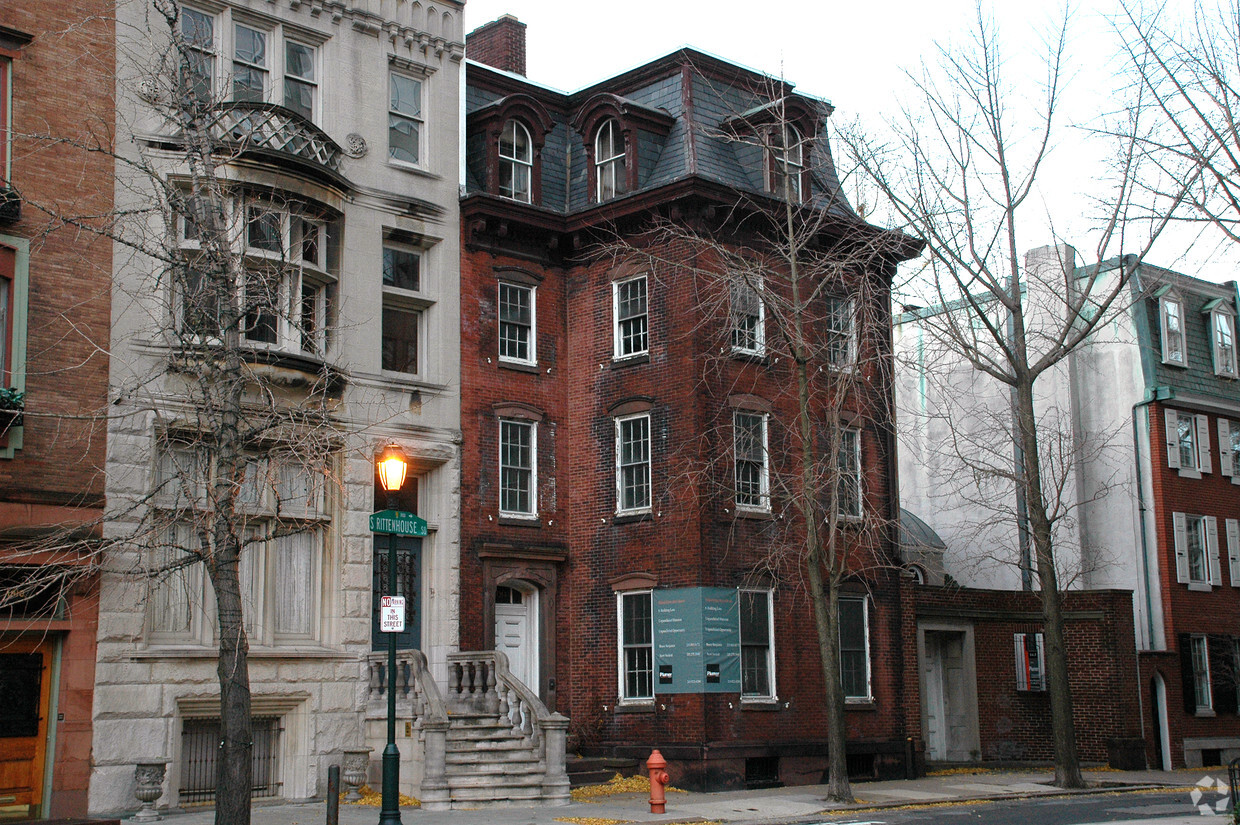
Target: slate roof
(695,146)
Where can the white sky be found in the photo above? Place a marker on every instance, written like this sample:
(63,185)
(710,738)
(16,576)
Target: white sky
(854,55)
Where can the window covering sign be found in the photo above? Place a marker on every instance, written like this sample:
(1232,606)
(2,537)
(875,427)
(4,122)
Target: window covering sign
(697,640)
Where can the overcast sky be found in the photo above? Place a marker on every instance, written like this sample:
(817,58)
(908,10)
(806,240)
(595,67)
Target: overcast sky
(854,55)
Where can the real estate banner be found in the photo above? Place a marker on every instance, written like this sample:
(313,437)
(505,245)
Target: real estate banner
(697,640)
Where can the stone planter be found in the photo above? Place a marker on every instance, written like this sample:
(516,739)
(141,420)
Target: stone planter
(149,774)
(353,772)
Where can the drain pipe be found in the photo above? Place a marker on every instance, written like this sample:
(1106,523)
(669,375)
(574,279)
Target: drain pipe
(1155,394)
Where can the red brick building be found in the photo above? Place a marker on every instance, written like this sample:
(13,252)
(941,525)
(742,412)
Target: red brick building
(617,533)
(57,72)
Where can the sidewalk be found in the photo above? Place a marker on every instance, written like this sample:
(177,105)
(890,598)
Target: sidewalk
(801,803)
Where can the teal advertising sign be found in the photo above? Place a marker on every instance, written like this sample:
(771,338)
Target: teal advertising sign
(697,640)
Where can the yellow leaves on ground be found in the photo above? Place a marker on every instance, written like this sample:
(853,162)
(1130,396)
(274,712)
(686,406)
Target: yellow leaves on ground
(618,785)
(375,798)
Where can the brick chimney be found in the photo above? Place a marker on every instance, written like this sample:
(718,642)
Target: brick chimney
(500,43)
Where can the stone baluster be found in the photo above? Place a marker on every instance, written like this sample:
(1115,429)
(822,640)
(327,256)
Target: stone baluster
(492,695)
(434,792)
(555,787)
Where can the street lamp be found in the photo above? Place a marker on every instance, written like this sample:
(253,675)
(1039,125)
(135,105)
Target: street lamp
(393,465)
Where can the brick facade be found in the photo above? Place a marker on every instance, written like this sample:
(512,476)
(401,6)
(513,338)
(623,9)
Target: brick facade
(51,467)
(500,43)
(579,553)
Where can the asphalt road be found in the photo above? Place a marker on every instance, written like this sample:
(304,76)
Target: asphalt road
(1156,808)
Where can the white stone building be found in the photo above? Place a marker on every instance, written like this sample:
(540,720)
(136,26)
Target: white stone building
(343,120)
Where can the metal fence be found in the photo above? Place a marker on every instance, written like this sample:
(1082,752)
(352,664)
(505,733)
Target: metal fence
(200,747)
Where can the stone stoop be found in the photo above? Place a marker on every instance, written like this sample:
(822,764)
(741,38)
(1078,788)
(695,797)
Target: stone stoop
(487,763)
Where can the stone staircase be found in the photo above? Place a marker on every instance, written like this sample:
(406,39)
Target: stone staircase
(487,741)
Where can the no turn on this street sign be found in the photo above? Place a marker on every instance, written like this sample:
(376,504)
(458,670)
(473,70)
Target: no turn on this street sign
(398,522)
(392,614)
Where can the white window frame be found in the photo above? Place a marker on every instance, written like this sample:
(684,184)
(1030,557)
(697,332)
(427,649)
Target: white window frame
(263,69)
(788,162)
(211,52)
(1196,551)
(610,171)
(855,477)
(635,507)
(1030,664)
(311,82)
(1171,324)
(531,429)
(531,330)
(623,646)
(1233,554)
(748,338)
(621,339)
(1229,449)
(1188,443)
(763,504)
(416,302)
(771,694)
(844,358)
(1223,342)
(1199,655)
(519,168)
(864,601)
(418,118)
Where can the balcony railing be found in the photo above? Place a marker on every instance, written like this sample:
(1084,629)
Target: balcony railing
(272,128)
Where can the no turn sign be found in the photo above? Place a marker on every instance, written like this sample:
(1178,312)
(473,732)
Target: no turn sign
(392,614)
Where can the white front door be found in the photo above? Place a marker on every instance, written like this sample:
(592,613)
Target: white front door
(516,632)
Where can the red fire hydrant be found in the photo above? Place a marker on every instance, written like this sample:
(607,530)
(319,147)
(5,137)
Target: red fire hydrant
(658,781)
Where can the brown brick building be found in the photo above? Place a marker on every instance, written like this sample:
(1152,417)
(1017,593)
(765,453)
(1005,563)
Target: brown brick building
(54,319)
(617,541)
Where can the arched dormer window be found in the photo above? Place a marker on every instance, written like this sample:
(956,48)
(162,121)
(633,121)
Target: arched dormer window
(610,169)
(788,164)
(516,162)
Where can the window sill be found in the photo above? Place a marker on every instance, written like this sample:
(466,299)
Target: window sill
(518,366)
(1205,713)
(194,651)
(760,705)
(635,706)
(752,356)
(1167,363)
(632,518)
(630,360)
(413,169)
(1193,474)
(520,521)
(860,704)
(755,514)
(1200,587)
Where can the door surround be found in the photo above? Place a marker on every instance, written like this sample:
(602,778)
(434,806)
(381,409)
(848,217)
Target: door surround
(972,740)
(536,567)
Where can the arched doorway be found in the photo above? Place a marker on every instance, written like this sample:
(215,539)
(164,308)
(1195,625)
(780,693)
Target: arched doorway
(1162,736)
(517,630)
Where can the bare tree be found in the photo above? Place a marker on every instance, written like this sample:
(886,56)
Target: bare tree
(960,170)
(792,293)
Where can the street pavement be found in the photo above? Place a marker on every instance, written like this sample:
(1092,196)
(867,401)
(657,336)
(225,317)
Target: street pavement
(800,804)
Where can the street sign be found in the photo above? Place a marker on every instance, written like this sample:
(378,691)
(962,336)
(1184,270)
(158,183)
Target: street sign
(397,522)
(392,614)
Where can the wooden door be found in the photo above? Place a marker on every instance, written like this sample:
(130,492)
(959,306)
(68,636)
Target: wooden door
(25,691)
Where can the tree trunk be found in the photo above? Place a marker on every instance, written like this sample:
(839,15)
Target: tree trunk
(1063,727)
(233,765)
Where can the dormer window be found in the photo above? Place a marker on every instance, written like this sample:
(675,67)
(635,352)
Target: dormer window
(788,164)
(516,162)
(1171,308)
(1223,341)
(610,172)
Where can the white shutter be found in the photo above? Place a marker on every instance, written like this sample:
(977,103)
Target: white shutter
(1022,662)
(1203,443)
(1038,681)
(1173,440)
(1216,575)
(1181,547)
(1224,447)
(1233,551)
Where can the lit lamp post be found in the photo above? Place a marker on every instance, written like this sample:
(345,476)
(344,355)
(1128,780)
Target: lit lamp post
(392,468)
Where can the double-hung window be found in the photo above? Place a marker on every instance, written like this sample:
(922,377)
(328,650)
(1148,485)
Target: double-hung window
(301,86)
(518,468)
(788,164)
(1229,449)
(751,480)
(1188,443)
(1197,561)
(748,319)
(404,307)
(516,323)
(633,463)
(405,121)
(516,162)
(630,309)
(855,650)
(1030,662)
(1199,659)
(197,39)
(848,474)
(841,332)
(757,646)
(1171,311)
(635,618)
(610,170)
(1223,341)
(250,69)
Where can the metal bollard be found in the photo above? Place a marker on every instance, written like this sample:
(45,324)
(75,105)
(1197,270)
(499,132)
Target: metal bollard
(333,795)
(658,780)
